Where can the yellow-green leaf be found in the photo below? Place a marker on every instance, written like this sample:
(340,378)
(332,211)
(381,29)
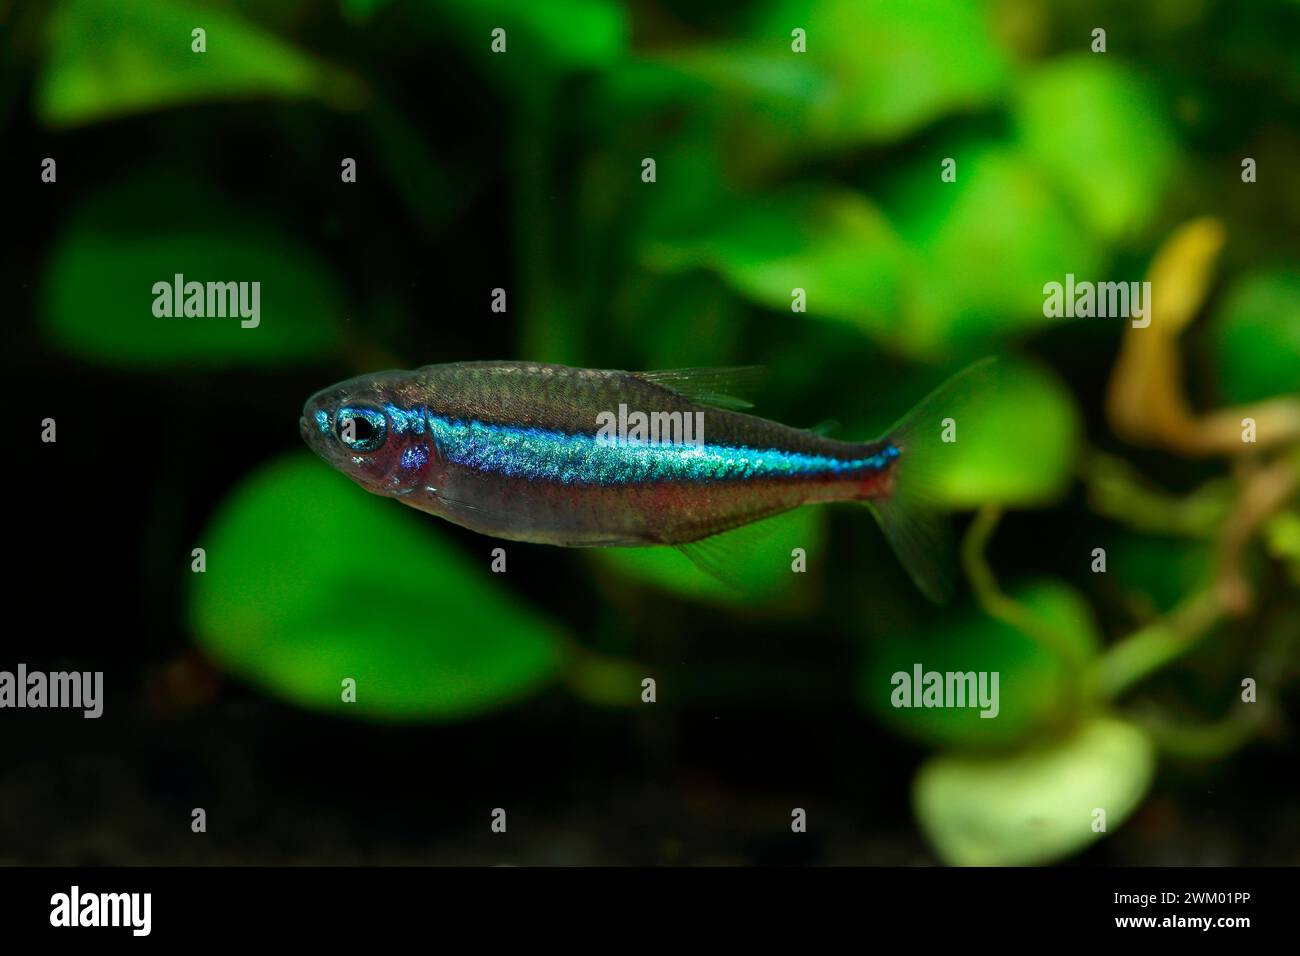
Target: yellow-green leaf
(1036,806)
(1094,128)
(1255,337)
(1014,442)
(833,245)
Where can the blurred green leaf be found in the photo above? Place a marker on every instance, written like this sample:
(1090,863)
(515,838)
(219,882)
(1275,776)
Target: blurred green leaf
(107,58)
(758,568)
(1036,806)
(882,69)
(1033,682)
(1017,437)
(552,36)
(1282,536)
(987,243)
(97,291)
(310,580)
(1094,127)
(1254,337)
(835,245)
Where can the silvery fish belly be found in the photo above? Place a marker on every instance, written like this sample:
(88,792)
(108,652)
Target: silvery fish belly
(570,456)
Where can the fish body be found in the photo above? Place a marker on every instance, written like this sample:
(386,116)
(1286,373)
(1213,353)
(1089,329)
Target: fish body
(551,454)
(515,450)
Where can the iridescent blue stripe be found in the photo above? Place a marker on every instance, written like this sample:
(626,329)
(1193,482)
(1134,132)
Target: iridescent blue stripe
(406,419)
(542,455)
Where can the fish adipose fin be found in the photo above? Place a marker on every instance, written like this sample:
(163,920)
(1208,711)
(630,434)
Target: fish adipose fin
(729,388)
(912,517)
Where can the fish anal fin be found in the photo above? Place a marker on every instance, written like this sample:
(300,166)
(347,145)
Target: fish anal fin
(721,555)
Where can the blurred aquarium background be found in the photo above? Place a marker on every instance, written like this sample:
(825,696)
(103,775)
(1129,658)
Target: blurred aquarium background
(774,170)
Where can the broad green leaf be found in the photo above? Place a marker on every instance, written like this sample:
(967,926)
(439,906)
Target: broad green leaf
(987,243)
(1255,337)
(834,245)
(1034,682)
(1014,440)
(108,58)
(1095,128)
(1036,806)
(758,565)
(883,69)
(311,580)
(98,289)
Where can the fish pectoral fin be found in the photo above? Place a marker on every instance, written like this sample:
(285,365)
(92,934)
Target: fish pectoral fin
(457,503)
(724,387)
(717,555)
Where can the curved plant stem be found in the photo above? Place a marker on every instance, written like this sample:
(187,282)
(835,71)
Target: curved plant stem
(1264,492)
(1206,741)
(1148,649)
(999,606)
(1117,491)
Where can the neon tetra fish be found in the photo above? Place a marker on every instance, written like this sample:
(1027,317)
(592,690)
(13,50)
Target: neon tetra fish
(527,452)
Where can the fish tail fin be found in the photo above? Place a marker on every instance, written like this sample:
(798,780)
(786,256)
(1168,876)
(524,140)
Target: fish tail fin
(912,516)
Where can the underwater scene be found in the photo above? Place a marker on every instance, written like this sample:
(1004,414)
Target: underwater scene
(653,433)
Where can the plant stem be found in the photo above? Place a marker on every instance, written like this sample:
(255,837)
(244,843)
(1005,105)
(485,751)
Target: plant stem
(1005,609)
(1206,741)
(1148,649)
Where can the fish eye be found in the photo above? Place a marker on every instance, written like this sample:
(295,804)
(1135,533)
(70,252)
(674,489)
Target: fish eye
(360,428)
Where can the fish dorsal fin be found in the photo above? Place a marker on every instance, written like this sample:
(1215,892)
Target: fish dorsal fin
(826,429)
(723,387)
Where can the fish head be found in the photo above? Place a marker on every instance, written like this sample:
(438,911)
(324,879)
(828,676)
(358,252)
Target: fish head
(368,428)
